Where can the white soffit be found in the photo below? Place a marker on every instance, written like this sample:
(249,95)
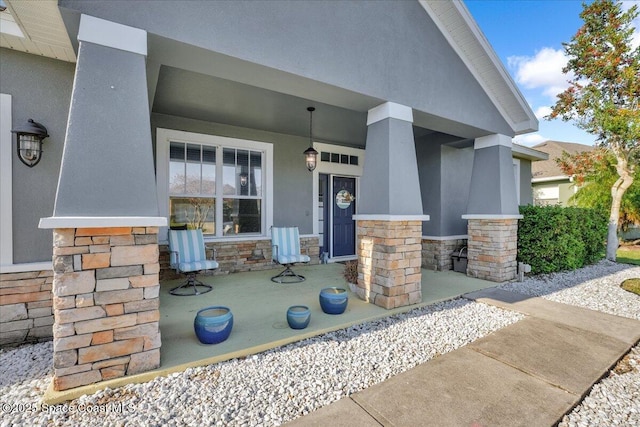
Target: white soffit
(41,25)
(523,152)
(465,37)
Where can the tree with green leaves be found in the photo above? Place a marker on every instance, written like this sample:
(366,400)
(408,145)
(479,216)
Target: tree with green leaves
(594,173)
(604,93)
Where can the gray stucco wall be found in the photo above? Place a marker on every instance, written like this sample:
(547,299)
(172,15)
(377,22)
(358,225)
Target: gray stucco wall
(445,176)
(456,181)
(428,157)
(389,50)
(40,89)
(291,180)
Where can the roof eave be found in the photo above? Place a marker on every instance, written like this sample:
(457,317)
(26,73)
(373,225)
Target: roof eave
(522,152)
(458,26)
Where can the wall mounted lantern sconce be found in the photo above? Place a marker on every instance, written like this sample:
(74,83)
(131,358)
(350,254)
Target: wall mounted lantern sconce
(310,154)
(244,179)
(29,142)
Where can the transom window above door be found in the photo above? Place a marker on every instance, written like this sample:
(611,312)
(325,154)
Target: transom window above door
(216,184)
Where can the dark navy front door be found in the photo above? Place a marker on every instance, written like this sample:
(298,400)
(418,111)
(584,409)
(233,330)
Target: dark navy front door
(344,206)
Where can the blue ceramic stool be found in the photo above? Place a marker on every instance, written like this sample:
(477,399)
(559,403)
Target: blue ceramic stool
(298,316)
(213,324)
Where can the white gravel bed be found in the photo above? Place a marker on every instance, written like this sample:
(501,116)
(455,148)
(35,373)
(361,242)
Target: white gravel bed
(614,401)
(280,385)
(596,287)
(265,389)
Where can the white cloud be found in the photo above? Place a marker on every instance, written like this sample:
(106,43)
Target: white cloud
(541,112)
(530,139)
(542,71)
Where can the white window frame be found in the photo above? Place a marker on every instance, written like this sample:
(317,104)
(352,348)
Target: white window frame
(6,181)
(516,173)
(163,139)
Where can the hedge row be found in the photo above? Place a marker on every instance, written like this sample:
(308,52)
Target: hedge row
(554,238)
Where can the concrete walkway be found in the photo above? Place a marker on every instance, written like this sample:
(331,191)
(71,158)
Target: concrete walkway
(530,373)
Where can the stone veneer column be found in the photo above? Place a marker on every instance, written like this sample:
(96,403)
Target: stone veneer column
(389,217)
(492,211)
(389,261)
(106,304)
(492,249)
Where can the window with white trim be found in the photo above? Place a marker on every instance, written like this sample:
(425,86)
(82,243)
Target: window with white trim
(215,183)
(516,175)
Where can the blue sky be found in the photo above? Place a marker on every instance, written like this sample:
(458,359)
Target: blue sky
(527,35)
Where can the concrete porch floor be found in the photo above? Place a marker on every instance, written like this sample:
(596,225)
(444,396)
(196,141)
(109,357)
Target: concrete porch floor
(259,309)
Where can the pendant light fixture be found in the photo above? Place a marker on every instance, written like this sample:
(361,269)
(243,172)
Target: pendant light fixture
(310,154)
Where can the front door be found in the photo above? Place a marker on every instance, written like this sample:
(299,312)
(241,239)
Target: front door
(344,206)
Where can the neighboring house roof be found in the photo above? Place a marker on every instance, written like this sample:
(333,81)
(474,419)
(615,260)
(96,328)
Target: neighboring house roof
(549,170)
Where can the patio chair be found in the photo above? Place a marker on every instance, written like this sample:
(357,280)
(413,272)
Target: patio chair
(285,250)
(188,256)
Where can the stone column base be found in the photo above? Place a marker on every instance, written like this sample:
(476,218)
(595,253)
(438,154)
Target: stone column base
(106,304)
(492,249)
(389,261)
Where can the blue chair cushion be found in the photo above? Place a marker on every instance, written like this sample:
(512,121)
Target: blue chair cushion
(286,245)
(197,265)
(188,252)
(188,243)
(290,259)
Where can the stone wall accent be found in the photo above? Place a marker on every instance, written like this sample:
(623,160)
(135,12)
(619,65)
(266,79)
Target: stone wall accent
(26,312)
(436,254)
(389,262)
(242,255)
(493,247)
(106,304)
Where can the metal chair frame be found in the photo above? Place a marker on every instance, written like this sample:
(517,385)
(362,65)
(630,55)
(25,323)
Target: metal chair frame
(191,281)
(287,275)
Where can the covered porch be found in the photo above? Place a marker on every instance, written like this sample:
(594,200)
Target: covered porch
(259,307)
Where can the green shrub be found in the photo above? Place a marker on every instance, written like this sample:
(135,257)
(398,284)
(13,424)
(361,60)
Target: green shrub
(553,238)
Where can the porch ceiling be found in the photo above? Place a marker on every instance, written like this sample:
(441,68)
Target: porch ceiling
(209,98)
(189,81)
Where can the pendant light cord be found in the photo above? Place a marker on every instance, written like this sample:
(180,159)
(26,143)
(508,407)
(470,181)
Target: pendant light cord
(310,127)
